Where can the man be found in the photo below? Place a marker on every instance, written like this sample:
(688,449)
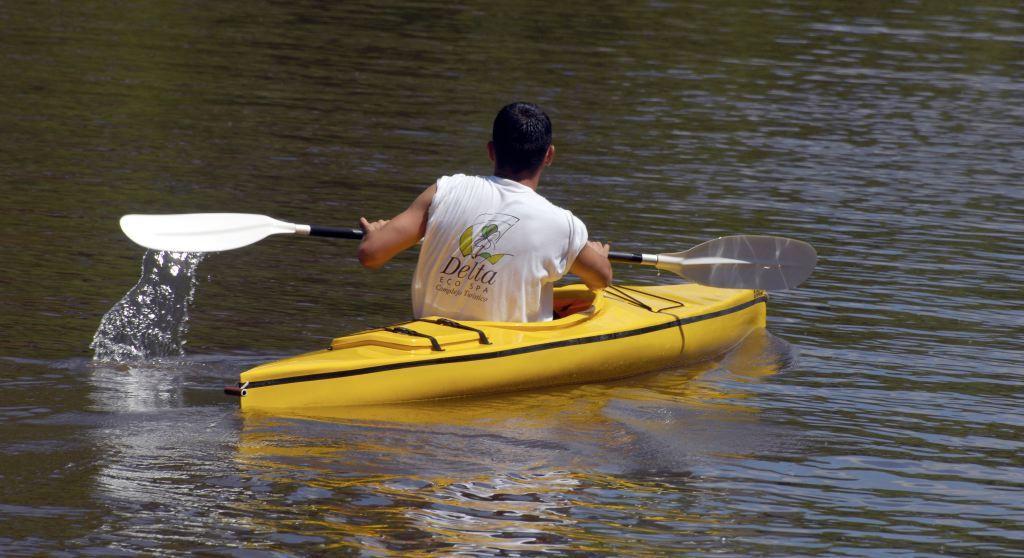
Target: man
(492,246)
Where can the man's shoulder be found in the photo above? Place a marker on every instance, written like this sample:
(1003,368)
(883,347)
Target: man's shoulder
(551,205)
(456,182)
(460,177)
(556,215)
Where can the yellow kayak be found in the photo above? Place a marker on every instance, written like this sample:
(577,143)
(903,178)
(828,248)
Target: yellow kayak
(620,332)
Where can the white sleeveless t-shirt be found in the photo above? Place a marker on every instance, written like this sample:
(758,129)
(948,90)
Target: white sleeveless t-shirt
(492,251)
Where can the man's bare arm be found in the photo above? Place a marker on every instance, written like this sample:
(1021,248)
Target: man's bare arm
(592,266)
(383,240)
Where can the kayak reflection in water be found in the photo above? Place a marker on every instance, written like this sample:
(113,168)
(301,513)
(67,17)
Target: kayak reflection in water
(492,246)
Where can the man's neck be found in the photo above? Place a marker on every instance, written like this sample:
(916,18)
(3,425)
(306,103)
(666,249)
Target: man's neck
(530,180)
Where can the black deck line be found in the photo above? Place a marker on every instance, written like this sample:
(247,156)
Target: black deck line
(508,352)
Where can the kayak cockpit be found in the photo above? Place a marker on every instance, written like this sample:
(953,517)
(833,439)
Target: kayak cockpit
(573,301)
(435,334)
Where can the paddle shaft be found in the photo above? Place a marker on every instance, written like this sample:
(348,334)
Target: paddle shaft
(616,257)
(627,257)
(331,232)
(357,234)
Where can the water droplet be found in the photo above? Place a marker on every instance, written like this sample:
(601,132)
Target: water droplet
(151,320)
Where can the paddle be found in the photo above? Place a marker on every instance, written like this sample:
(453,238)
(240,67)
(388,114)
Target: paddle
(767,263)
(215,232)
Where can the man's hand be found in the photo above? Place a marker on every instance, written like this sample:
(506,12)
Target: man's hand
(370,231)
(603,249)
(369,227)
(592,266)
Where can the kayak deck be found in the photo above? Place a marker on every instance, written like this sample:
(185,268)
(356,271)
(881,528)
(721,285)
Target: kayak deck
(622,331)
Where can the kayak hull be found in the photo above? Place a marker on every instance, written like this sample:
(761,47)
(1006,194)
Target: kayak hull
(625,331)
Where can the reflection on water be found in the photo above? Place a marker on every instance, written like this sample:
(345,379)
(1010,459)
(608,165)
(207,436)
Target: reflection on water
(538,472)
(557,471)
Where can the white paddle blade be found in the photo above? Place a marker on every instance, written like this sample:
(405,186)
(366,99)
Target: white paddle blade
(202,232)
(767,263)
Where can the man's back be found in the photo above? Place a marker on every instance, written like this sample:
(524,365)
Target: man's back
(492,250)
(492,246)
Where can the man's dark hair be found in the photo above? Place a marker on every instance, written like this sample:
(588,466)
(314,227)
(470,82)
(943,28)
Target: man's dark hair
(521,136)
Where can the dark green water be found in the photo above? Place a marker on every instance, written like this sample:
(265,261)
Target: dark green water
(881,416)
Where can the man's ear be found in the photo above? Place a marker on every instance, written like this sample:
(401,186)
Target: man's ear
(490,151)
(549,157)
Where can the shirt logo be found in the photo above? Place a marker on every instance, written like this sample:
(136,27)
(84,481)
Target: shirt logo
(470,271)
(480,240)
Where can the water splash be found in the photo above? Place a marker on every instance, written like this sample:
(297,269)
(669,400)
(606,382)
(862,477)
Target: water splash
(151,320)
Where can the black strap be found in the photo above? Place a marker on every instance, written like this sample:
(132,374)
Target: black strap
(434,345)
(452,323)
(616,290)
(621,292)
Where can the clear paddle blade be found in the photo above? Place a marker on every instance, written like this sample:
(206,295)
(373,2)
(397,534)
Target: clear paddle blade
(767,263)
(201,232)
